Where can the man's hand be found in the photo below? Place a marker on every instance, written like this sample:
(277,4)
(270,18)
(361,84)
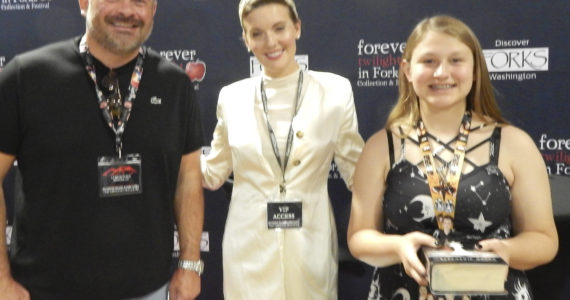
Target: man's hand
(12,290)
(184,285)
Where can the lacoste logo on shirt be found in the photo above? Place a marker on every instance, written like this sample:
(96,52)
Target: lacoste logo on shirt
(155,100)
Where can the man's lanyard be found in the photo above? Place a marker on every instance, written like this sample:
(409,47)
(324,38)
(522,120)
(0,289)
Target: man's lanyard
(119,127)
(443,187)
(282,163)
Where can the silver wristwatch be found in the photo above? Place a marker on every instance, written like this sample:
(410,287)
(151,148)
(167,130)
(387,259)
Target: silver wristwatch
(192,265)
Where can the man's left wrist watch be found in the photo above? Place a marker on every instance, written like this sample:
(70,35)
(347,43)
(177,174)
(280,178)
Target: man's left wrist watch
(192,265)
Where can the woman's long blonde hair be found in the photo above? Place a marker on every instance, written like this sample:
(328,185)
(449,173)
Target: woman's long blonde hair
(480,100)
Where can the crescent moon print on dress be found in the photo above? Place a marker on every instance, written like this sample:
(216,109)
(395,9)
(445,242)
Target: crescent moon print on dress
(427,211)
(402,292)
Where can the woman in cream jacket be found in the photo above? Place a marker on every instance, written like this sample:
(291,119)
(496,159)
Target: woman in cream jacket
(280,236)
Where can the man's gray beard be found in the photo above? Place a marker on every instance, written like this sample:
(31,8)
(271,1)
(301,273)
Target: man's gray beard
(111,44)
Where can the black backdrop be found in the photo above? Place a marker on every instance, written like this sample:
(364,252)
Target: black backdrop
(525,42)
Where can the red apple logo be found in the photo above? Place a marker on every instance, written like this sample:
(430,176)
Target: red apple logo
(196,70)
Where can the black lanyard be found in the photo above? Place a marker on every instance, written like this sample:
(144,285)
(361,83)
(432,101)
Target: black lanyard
(282,163)
(119,127)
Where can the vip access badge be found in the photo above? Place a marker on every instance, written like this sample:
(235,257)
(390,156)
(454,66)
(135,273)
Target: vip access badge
(284,215)
(120,176)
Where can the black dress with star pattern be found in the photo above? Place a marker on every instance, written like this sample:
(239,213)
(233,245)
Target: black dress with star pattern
(483,210)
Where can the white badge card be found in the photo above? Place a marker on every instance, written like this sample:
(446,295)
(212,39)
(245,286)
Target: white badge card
(284,215)
(120,176)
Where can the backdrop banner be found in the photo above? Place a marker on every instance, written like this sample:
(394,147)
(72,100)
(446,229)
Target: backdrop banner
(525,47)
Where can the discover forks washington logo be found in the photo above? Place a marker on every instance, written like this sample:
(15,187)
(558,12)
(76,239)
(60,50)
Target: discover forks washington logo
(516,63)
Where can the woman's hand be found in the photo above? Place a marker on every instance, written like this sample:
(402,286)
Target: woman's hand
(409,245)
(496,246)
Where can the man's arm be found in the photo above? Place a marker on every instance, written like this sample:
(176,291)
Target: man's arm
(189,210)
(9,289)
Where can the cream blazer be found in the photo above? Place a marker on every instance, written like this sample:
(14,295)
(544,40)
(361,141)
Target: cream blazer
(262,263)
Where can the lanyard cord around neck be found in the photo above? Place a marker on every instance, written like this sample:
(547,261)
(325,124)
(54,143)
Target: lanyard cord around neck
(443,187)
(119,127)
(282,163)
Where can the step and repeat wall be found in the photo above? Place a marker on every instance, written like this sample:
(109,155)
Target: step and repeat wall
(526,49)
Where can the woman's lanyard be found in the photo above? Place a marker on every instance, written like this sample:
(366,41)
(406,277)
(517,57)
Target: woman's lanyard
(443,187)
(282,163)
(119,126)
